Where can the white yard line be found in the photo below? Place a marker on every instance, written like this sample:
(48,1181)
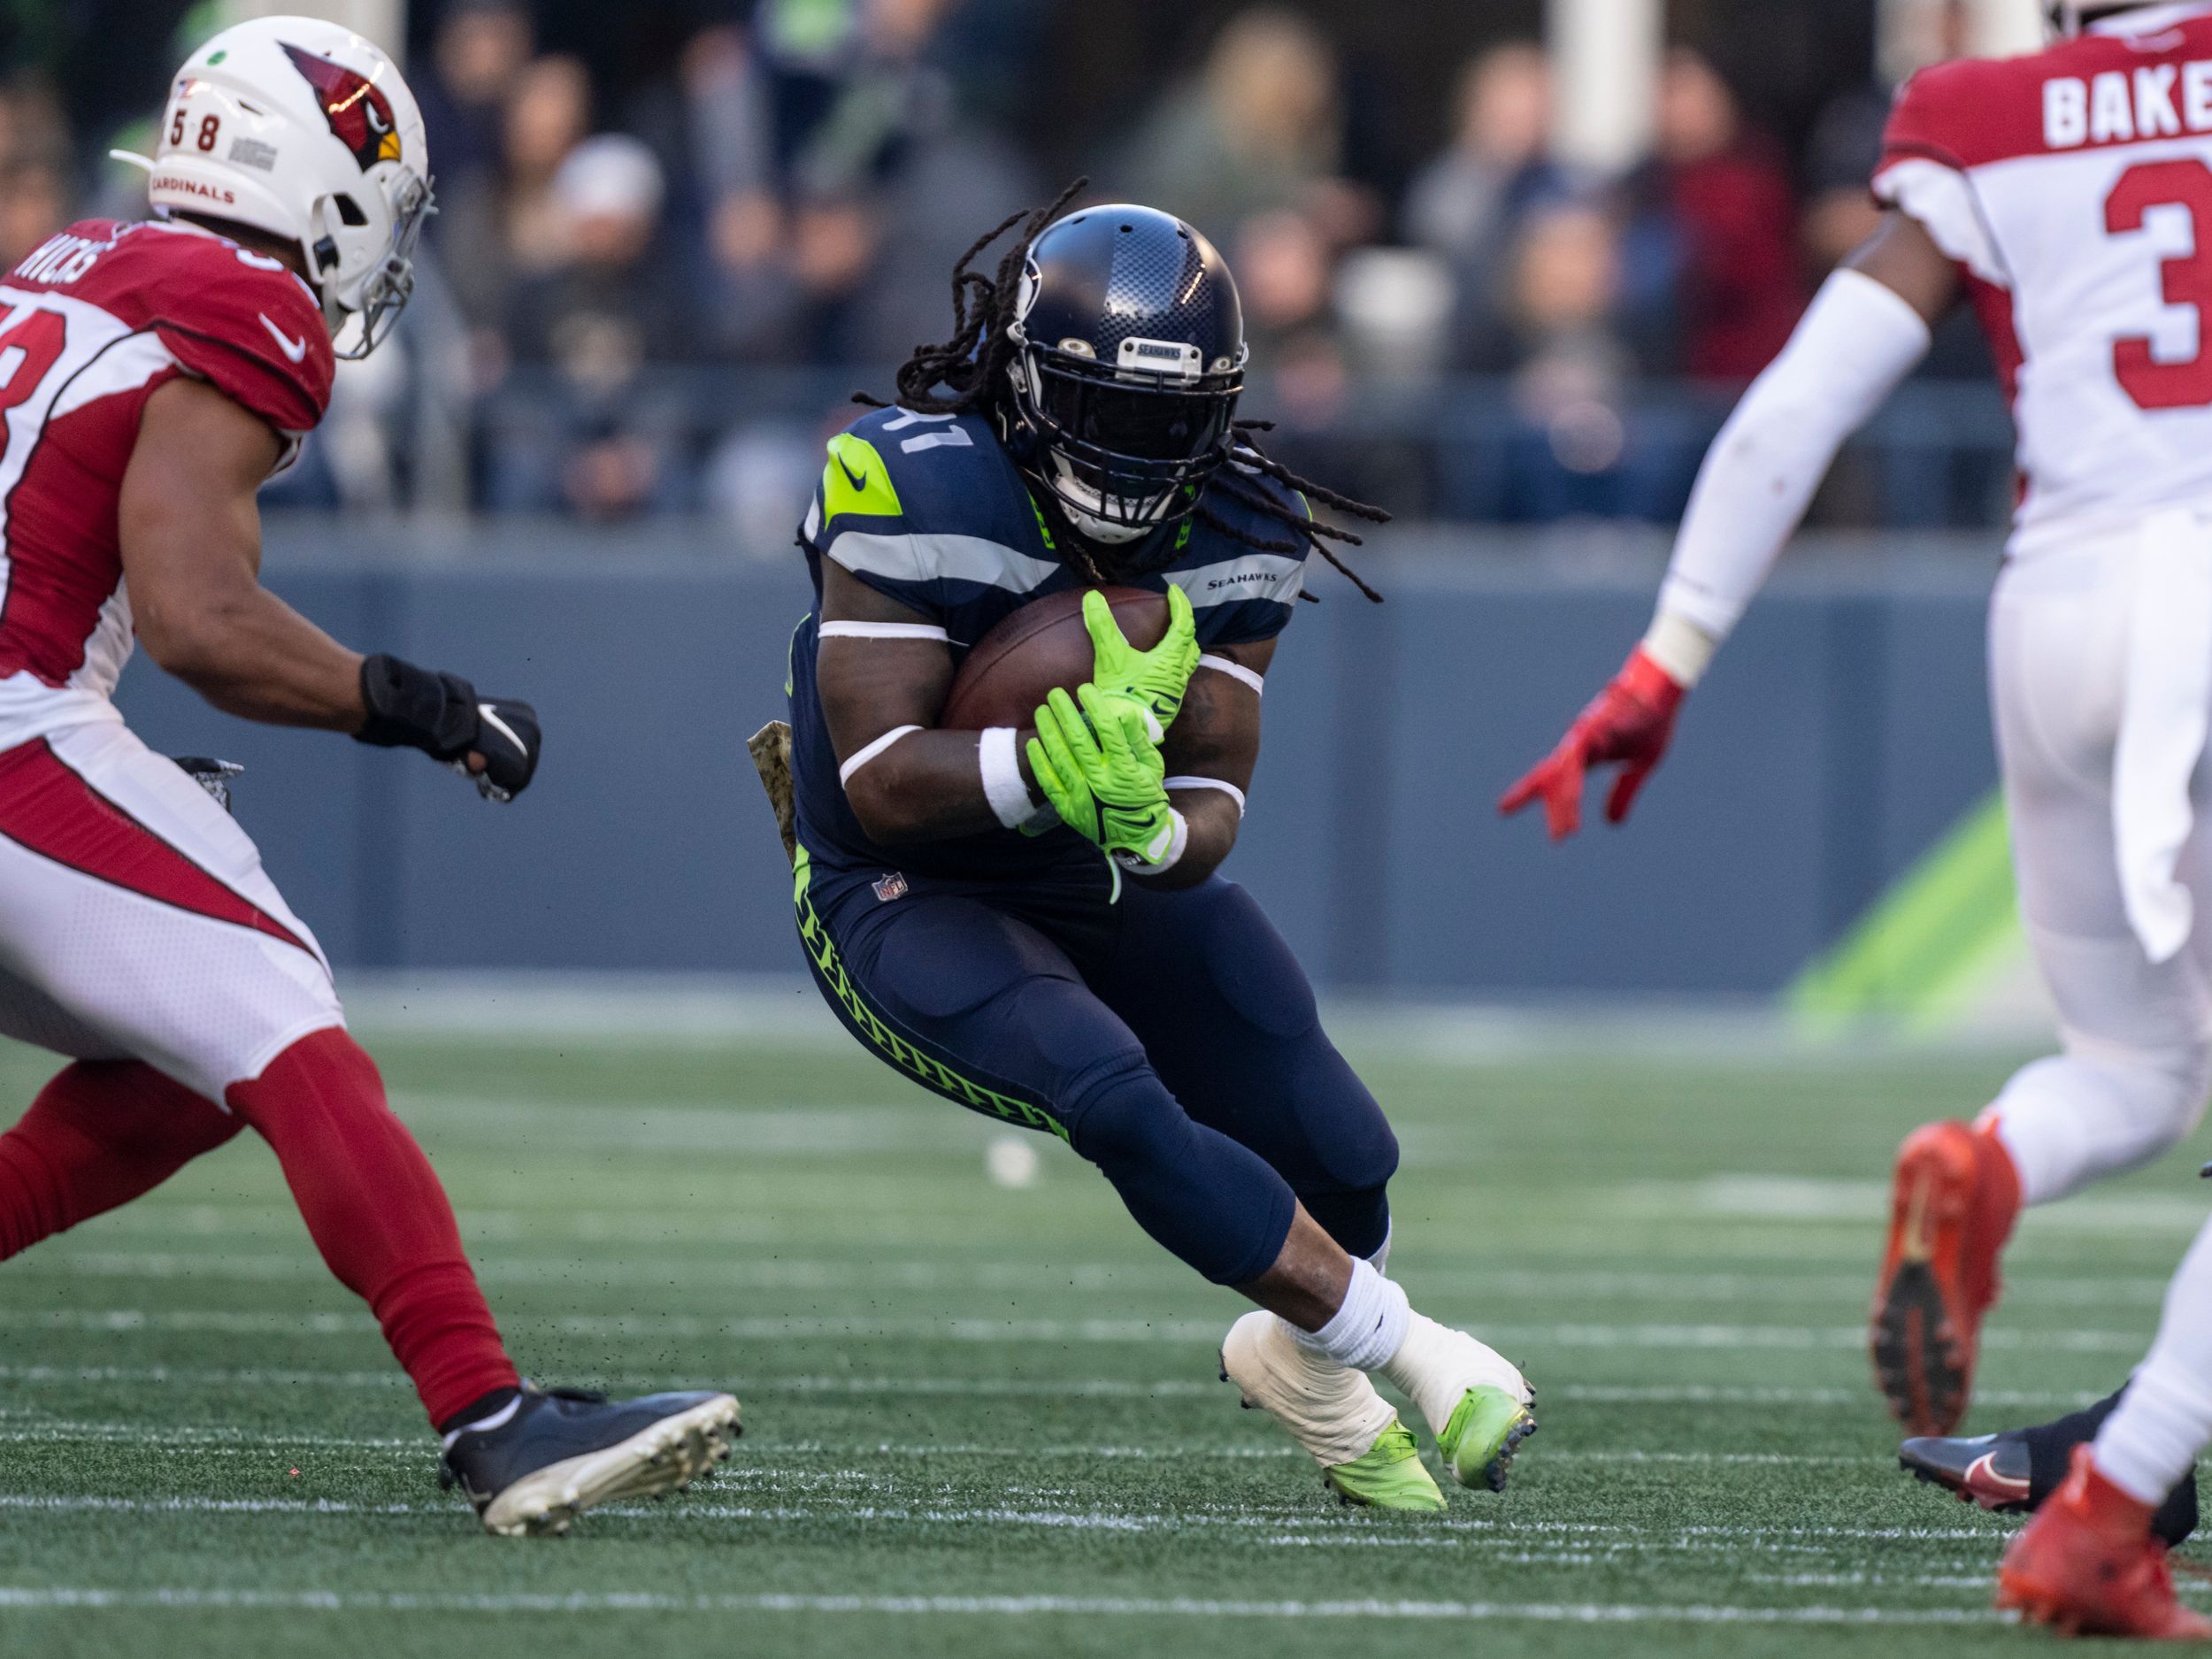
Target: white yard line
(1281,1524)
(1014,1606)
(1737,1338)
(1042,1278)
(222,1441)
(991,1387)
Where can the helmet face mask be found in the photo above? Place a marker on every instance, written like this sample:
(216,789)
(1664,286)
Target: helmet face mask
(1128,452)
(303,130)
(1129,361)
(384,293)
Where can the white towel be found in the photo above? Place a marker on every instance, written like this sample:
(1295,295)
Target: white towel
(2166,707)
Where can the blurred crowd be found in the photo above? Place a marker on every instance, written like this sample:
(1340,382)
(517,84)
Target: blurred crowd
(639,300)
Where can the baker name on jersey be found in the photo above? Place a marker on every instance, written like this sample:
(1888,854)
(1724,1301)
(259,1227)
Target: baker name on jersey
(2118,108)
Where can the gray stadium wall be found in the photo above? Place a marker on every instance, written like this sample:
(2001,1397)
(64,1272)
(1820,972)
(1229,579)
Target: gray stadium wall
(1840,735)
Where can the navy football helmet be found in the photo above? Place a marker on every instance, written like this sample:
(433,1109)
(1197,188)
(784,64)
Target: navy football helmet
(1129,357)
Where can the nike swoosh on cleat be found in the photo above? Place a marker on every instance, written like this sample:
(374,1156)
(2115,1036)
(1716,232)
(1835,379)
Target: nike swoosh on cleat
(296,350)
(1982,1475)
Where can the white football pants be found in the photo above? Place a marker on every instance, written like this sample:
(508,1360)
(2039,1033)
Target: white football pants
(135,920)
(2074,636)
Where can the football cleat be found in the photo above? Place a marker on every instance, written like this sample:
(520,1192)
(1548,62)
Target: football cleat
(1389,1475)
(1367,1457)
(1475,1400)
(2014,1472)
(1990,1470)
(1952,1207)
(530,1468)
(1486,1429)
(2088,1565)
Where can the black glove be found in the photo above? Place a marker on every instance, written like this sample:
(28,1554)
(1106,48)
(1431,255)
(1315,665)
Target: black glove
(441,715)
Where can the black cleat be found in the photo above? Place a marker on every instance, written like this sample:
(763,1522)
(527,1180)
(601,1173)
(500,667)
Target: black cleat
(1990,1470)
(531,1468)
(2012,1473)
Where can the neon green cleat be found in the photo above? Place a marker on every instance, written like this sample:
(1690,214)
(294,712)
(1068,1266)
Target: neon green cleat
(1367,1455)
(1486,1428)
(1390,1476)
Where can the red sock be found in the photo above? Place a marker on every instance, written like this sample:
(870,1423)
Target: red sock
(378,1213)
(98,1136)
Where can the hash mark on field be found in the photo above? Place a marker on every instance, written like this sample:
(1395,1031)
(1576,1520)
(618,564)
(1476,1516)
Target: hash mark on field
(1026,1606)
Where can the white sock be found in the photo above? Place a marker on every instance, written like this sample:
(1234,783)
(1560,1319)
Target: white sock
(2148,1446)
(1368,1327)
(1315,1368)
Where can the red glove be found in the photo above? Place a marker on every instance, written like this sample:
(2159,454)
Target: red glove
(1631,721)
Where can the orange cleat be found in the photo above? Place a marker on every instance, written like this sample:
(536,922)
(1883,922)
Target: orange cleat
(2088,1565)
(1956,1197)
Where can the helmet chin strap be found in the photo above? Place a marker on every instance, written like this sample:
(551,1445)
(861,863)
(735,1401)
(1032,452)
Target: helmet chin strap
(1085,521)
(1093,529)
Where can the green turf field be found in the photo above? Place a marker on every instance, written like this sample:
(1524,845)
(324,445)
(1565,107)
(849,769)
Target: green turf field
(986,1421)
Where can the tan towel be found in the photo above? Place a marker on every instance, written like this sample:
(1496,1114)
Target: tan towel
(770,749)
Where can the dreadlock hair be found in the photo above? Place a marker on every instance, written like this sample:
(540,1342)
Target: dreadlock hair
(967,375)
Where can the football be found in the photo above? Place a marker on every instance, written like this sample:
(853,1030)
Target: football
(1041,645)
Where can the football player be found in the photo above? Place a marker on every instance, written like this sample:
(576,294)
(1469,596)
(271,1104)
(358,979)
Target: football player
(1030,922)
(152,376)
(2066,196)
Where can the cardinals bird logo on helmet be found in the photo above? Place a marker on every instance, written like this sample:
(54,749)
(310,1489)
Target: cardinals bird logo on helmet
(359,115)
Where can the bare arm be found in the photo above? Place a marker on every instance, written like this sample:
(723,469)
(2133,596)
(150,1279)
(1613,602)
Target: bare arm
(191,545)
(928,786)
(1902,258)
(1217,736)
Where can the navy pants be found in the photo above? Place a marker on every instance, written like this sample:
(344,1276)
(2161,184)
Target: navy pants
(1169,1037)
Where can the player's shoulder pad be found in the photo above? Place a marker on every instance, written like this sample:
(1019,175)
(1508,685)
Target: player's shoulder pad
(1969,113)
(241,321)
(894,471)
(1244,581)
(1235,504)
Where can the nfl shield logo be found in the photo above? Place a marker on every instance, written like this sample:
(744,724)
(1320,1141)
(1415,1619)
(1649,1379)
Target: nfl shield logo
(892,886)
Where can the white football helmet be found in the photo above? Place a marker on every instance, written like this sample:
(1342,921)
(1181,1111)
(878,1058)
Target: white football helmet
(303,129)
(2068,16)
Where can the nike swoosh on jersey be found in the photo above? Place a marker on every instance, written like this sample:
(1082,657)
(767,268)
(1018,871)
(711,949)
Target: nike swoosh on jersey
(858,481)
(294,350)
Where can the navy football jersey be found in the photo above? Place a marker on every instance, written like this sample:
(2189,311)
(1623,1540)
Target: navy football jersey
(929,510)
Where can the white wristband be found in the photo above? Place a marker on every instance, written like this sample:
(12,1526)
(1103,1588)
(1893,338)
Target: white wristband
(1003,786)
(883,631)
(1234,670)
(1679,646)
(845,772)
(1179,843)
(1229,789)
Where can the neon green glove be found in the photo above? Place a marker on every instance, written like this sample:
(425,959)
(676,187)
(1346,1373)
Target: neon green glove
(1105,778)
(1155,677)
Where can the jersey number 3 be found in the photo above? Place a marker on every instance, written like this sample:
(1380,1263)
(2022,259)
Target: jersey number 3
(2185,280)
